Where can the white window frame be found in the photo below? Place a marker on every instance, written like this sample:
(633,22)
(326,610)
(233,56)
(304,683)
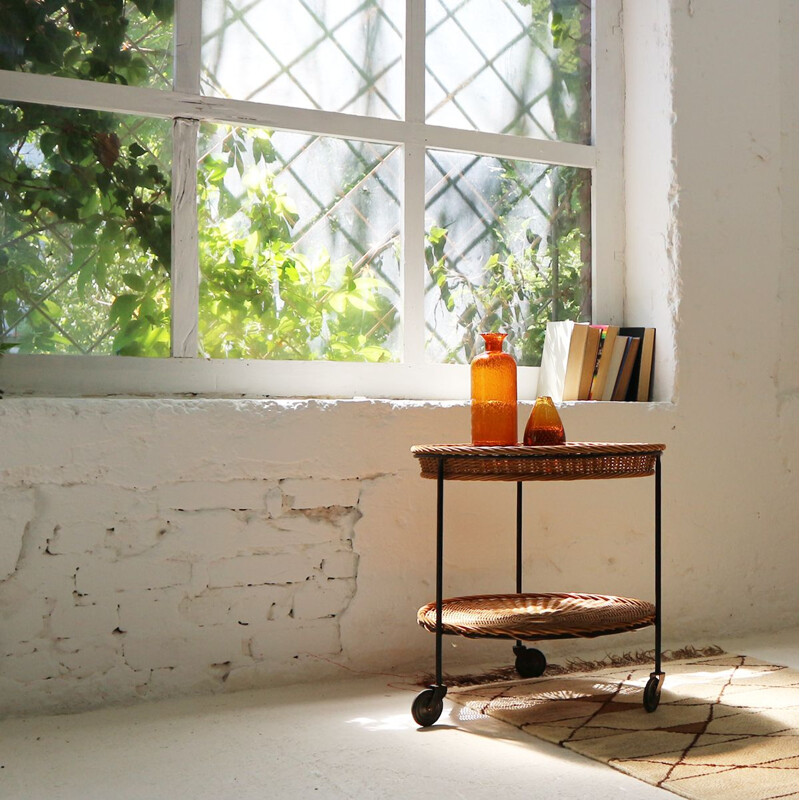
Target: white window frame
(185,372)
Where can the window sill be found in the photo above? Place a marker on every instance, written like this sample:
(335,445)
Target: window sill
(114,376)
(125,377)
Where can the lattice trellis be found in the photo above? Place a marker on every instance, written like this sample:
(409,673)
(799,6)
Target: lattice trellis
(507,75)
(499,37)
(60,296)
(347,193)
(346,196)
(301,47)
(492,65)
(44,295)
(146,37)
(502,243)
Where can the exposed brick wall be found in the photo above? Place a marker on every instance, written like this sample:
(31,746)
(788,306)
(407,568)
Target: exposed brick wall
(144,590)
(156,547)
(151,548)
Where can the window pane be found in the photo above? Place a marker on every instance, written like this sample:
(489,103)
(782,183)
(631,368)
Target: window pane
(299,247)
(84,232)
(507,248)
(343,56)
(510,66)
(90,40)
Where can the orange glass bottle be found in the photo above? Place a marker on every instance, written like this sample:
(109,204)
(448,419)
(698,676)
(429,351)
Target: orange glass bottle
(544,424)
(494,394)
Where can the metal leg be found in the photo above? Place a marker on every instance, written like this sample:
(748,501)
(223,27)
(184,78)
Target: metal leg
(519,537)
(428,704)
(658,562)
(518,644)
(652,691)
(529,662)
(439,566)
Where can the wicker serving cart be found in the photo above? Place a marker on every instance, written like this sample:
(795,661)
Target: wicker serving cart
(536,617)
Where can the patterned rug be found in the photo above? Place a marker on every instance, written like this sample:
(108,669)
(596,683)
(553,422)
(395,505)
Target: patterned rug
(726,726)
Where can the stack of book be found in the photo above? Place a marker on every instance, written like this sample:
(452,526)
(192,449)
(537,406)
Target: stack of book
(596,362)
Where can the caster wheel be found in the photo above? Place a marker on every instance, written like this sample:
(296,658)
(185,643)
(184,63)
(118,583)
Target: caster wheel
(530,663)
(652,694)
(427,706)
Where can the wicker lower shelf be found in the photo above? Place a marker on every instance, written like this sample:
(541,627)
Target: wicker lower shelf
(535,617)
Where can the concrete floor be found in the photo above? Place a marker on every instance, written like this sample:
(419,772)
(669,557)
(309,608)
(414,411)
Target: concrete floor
(348,739)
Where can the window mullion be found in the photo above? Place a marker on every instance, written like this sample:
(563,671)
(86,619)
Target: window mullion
(146,102)
(414,189)
(185,262)
(188,46)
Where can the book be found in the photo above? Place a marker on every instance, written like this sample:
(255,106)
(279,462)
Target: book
(582,361)
(626,368)
(648,348)
(577,350)
(555,357)
(640,385)
(615,362)
(608,337)
(589,364)
(563,360)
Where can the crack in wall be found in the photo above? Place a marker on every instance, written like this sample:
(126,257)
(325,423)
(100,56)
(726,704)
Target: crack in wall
(24,544)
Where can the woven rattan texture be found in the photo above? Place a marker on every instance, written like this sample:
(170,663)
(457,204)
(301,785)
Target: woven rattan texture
(534,617)
(572,461)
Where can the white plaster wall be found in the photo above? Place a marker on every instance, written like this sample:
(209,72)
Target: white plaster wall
(652,238)
(735,110)
(163,547)
(157,547)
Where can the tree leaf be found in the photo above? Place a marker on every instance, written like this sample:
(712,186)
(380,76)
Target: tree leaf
(123,307)
(338,302)
(134,281)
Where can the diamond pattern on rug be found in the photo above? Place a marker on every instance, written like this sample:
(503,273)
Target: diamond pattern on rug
(726,726)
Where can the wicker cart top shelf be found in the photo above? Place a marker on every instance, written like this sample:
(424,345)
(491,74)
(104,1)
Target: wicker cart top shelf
(564,462)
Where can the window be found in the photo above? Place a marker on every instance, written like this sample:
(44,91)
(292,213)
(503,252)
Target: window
(304,197)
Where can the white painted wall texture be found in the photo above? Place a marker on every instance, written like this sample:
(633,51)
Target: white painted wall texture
(156,547)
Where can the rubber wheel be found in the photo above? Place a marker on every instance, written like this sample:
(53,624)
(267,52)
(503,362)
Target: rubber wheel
(426,709)
(652,694)
(530,663)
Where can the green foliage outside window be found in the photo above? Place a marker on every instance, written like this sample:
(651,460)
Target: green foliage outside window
(85,231)
(84,195)
(85,223)
(260,295)
(521,287)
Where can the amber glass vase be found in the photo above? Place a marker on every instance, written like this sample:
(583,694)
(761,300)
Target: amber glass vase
(544,424)
(494,394)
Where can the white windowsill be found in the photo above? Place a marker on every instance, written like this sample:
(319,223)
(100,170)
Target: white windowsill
(113,376)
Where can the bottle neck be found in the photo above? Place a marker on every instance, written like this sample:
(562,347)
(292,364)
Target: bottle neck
(494,342)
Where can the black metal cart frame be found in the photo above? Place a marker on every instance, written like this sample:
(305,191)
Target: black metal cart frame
(428,705)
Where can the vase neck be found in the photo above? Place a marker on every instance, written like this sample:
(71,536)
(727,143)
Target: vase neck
(494,341)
